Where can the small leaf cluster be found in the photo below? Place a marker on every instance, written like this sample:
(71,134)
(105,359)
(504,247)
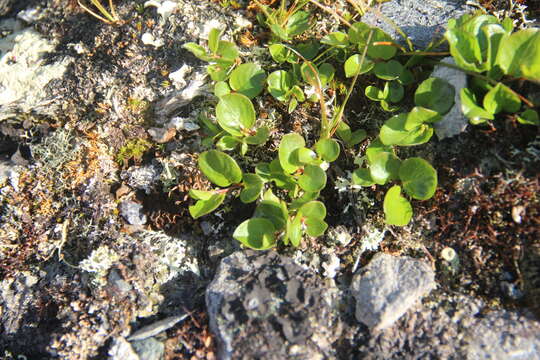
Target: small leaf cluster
(285,23)
(481,44)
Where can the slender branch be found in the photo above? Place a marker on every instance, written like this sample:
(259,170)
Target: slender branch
(332,12)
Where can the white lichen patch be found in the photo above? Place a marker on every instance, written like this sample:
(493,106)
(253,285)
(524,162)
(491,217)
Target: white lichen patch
(372,238)
(99,262)
(23,73)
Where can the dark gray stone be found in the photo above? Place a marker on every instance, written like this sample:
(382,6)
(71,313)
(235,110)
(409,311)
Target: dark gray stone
(420,20)
(504,335)
(264,306)
(389,286)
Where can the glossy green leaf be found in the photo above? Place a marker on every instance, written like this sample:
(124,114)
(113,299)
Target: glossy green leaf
(280,83)
(218,72)
(393,132)
(397,209)
(227,52)
(201,194)
(289,143)
(228,143)
(297,92)
(326,73)
(274,210)
(358,32)
(234,113)
(313,178)
(520,54)
(328,149)
(377,48)
(197,50)
(336,39)
(420,115)
(203,207)
(384,167)
(315,227)
(435,94)
(376,147)
(213,40)
(260,137)
(264,171)
(419,178)
(355,66)
(220,168)
(248,79)
(388,70)
(465,50)
(302,200)
(374,93)
(253,185)
(393,91)
(256,233)
(305,156)
(279,53)
(470,108)
(501,98)
(362,177)
(529,117)
(406,77)
(308,49)
(313,209)
(221,88)
(298,23)
(293,103)
(294,230)
(357,137)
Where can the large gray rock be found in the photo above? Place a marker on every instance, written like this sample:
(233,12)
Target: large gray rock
(388,286)
(504,335)
(264,306)
(420,20)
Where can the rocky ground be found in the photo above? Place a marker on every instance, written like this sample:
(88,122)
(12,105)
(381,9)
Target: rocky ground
(99,258)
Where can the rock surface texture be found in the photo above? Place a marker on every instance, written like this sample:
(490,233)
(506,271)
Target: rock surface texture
(388,286)
(264,306)
(420,20)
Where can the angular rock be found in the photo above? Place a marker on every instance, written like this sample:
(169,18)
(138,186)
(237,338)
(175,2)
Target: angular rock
(454,122)
(264,306)
(156,328)
(420,20)
(149,349)
(387,287)
(504,335)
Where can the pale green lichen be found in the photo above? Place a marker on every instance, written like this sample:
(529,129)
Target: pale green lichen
(99,262)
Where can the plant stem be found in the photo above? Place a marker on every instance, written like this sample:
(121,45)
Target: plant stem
(330,11)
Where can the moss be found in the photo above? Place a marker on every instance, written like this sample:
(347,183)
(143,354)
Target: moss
(133,149)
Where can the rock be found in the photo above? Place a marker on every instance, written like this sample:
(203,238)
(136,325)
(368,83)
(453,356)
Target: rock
(149,349)
(504,335)
(132,212)
(420,20)
(24,71)
(5,6)
(156,328)
(121,350)
(454,122)
(387,287)
(143,177)
(263,306)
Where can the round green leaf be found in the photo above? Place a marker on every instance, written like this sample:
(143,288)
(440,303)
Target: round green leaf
(308,50)
(203,207)
(362,177)
(471,110)
(279,53)
(313,209)
(220,168)
(315,227)
(501,98)
(234,113)
(326,73)
(217,72)
(397,209)
(221,88)
(256,233)
(358,32)
(393,132)
(297,23)
(294,230)
(260,137)
(377,147)
(328,149)
(289,143)
(419,178)
(384,167)
(273,210)
(529,117)
(384,52)
(213,39)
(336,39)
(280,83)
(420,115)
(389,70)
(393,91)
(226,53)
(305,156)
(227,143)
(374,93)
(248,79)
(355,66)
(201,194)
(253,185)
(435,94)
(313,179)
